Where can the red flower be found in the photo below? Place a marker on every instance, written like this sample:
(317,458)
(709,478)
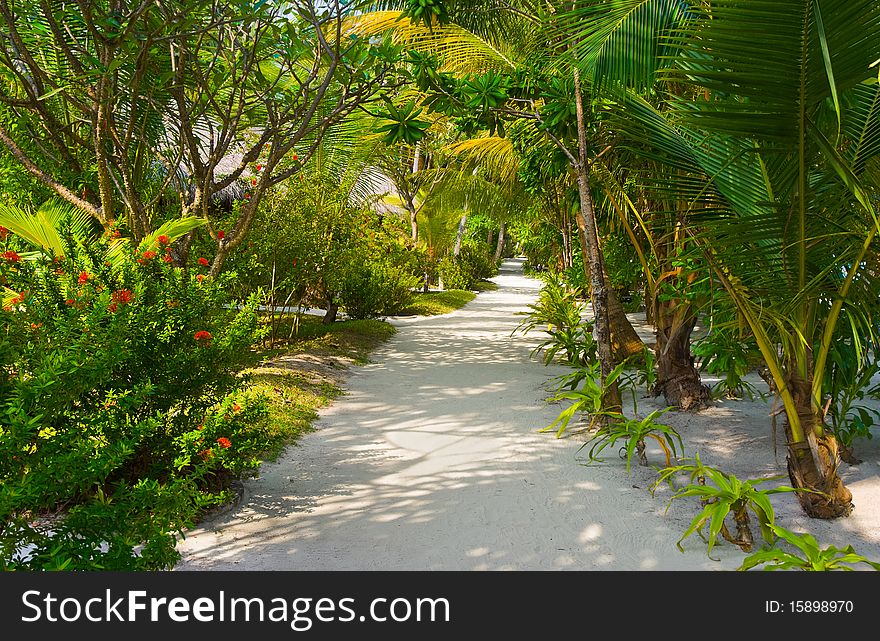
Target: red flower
(202,335)
(163,239)
(259,167)
(221,234)
(36,325)
(200,427)
(70,302)
(236,407)
(203,262)
(167,258)
(294,262)
(122,296)
(247,196)
(83,278)
(224,442)
(149,255)
(11,256)
(206,454)
(200,277)
(60,272)
(3,232)
(254,182)
(112,308)
(17,299)
(295,157)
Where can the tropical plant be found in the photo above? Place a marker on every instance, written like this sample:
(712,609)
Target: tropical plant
(560,316)
(812,558)
(140,131)
(633,432)
(722,494)
(776,169)
(723,352)
(589,399)
(848,378)
(123,413)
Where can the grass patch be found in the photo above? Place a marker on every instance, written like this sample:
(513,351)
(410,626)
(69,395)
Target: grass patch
(353,339)
(435,303)
(485,286)
(294,402)
(298,376)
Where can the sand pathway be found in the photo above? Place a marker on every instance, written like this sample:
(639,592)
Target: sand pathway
(432,461)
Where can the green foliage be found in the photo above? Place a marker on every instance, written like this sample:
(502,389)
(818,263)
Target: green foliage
(812,558)
(622,263)
(428,12)
(122,416)
(633,432)
(646,369)
(403,124)
(311,247)
(382,285)
(473,264)
(726,353)
(722,494)
(560,316)
(588,399)
(847,380)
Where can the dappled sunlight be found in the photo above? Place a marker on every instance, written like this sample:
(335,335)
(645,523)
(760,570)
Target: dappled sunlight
(432,460)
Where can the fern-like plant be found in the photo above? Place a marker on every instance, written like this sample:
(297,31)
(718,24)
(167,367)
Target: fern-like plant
(632,432)
(723,494)
(587,399)
(812,558)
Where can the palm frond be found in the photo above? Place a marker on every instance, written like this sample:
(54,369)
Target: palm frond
(459,50)
(621,42)
(42,228)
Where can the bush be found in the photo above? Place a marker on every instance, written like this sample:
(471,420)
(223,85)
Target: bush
(378,287)
(473,264)
(122,414)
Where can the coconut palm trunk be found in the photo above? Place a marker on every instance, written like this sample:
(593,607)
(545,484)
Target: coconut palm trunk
(459,236)
(678,379)
(593,259)
(499,247)
(813,456)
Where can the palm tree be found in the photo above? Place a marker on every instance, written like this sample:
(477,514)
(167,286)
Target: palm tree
(775,151)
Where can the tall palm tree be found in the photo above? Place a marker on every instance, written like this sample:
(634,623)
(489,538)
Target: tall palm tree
(776,156)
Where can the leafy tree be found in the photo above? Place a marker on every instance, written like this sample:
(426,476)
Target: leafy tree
(143,111)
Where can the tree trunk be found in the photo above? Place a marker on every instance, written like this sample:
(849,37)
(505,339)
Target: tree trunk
(413,224)
(593,258)
(490,235)
(624,340)
(649,306)
(678,380)
(813,462)
(330,314)
(462,224)
(410,200)
(499,248)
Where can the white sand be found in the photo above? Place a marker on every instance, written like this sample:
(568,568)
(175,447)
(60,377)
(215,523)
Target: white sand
(432,461)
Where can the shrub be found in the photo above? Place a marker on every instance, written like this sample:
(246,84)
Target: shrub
(121,414)
(724,353)
(378,287)
(473,264)
(570,336)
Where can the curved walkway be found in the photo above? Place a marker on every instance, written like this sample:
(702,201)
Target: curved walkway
(432,461)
